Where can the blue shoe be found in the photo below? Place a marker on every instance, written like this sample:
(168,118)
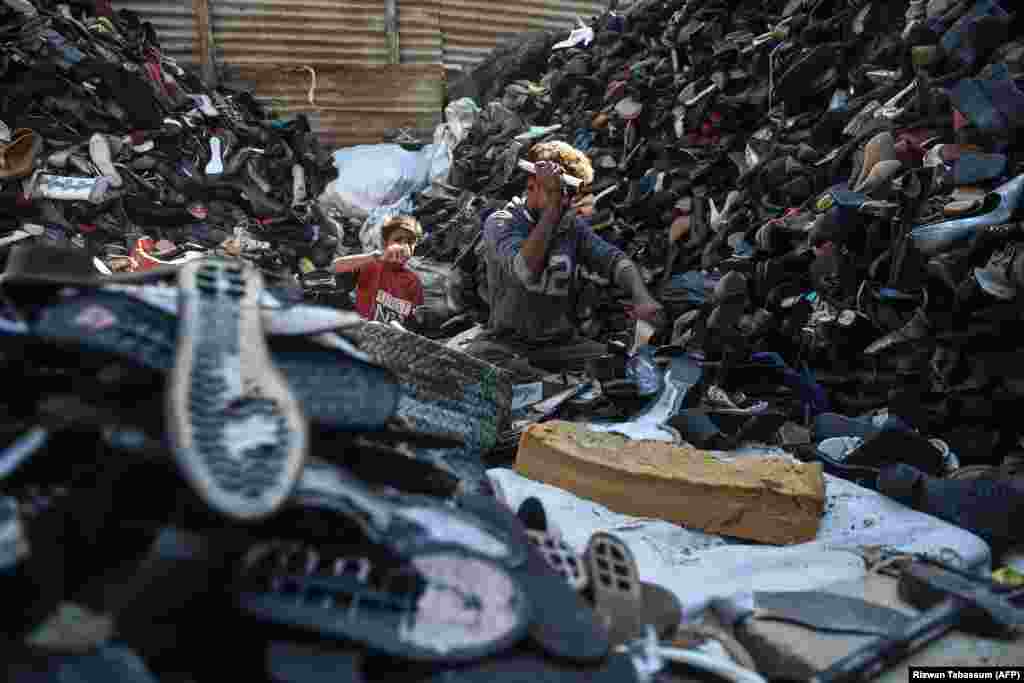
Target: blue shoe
(999,207)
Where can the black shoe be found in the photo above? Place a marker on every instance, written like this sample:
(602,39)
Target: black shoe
(949,269)
(915,331)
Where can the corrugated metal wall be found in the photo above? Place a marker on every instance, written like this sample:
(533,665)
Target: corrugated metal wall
(264,44)
(472,28)
(355,104)
(295,32)
(420,38)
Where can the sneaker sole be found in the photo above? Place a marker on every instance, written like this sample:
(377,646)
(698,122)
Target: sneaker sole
(237,431)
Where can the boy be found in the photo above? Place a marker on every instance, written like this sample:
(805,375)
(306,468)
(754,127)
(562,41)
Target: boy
(387,291)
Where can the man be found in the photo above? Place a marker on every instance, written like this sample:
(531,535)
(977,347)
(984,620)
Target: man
(387,291)
(533,249)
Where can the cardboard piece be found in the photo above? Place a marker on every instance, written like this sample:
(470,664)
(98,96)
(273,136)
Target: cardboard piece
(766,499)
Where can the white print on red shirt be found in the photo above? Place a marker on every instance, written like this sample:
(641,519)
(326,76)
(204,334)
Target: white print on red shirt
(390,308)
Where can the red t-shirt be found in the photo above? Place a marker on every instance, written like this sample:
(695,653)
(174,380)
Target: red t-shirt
(387,292)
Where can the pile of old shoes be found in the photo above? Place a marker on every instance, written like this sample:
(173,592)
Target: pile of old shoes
(106,143)
(826,196)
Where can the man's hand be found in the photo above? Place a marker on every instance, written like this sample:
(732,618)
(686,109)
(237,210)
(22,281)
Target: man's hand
(397,253)
(549,177)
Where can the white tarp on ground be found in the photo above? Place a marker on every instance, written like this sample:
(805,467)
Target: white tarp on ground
(699,567)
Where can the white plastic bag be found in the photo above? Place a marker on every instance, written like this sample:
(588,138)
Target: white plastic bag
(373,176)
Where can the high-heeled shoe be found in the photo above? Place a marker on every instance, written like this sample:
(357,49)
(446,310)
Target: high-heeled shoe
(998,207)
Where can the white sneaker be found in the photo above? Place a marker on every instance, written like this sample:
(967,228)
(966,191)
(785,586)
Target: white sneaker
(5,132)
(216,164)
(99,152)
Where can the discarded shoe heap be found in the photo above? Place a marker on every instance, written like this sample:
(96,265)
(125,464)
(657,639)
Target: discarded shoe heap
(825,194)
(108,146)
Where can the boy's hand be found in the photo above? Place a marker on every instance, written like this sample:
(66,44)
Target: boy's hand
(397,253)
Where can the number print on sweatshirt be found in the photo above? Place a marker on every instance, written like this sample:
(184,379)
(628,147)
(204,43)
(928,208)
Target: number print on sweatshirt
(556,278)
(389,308)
